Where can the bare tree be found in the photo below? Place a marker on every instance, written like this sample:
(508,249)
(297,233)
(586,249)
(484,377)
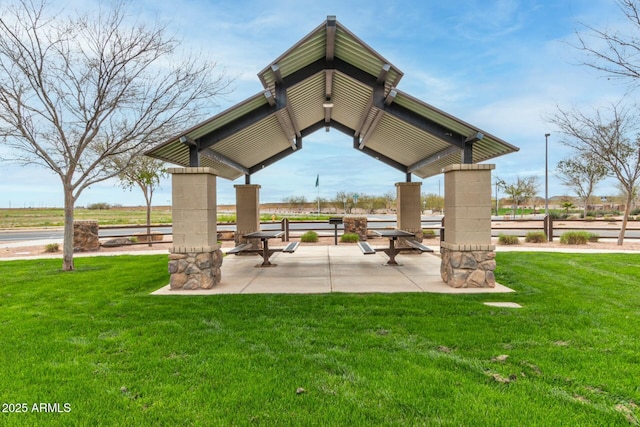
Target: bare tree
(530,187)
(76,90)
(581,173)
(610,135)
(144,173)
(613,52)
(521,190)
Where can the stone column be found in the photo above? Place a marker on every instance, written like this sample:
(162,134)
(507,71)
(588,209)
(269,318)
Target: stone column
(354,224)
(195,258)
(468,257)
(247,211)
(409,207)
(85,236)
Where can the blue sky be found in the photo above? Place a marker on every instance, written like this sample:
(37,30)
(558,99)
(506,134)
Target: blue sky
(500,65)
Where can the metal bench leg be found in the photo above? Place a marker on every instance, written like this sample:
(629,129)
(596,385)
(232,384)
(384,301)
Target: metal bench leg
(265,255)
(392,253)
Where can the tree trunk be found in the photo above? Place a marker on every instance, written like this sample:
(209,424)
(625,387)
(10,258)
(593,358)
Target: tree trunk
(148,195)
(67,244)
(625,219)
(149,221)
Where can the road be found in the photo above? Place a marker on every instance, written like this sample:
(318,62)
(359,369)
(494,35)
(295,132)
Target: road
(17,235)
(323,228)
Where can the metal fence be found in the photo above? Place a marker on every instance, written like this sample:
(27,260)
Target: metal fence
(605,228)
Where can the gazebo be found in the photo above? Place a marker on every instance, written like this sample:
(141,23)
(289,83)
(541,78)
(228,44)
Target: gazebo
(332,79)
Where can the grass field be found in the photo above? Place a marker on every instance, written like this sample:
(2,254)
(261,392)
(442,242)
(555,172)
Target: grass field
(95,340)
(54,217)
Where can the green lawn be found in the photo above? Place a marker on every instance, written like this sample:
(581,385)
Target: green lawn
(95,339)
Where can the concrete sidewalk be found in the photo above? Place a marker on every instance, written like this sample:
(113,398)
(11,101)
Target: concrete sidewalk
(325,269)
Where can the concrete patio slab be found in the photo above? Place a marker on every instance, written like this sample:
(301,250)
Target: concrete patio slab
(325,269)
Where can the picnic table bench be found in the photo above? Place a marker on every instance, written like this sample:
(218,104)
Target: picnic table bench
(417,246)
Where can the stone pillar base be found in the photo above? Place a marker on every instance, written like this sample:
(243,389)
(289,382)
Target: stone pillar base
(195,268)
(85,236)
(468,266)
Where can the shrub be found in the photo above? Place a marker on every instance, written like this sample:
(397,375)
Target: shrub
(428,233)
(575,238)
(52,247)
(309,237)
(593,237)
(506,239)
(350,238)
(99,206)
(535,237)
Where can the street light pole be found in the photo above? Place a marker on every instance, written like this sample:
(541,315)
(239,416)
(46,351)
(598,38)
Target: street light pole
(546,173)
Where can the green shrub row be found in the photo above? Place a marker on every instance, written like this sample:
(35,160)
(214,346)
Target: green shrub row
(507,239)
(428,233)
(578,238)
(536,237)
(350,238)
(99,206)
(309,237)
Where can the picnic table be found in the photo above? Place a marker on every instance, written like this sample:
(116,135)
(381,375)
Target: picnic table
(266,253)
(392,250)
(393,235)
(264,236)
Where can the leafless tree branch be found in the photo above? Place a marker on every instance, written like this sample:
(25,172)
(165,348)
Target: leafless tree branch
(78,90)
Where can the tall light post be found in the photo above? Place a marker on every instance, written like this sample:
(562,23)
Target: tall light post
(546,173)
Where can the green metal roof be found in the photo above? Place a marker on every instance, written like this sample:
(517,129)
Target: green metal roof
(331,79)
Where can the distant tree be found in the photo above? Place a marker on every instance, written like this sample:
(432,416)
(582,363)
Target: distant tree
(520,190)
(295,202)
(433,201)
(372,203)
(581,173)
(389,200)
(530,187)
(76,90)
(610,135)
(566,206)
(144,173)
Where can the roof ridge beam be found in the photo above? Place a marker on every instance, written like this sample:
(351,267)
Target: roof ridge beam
(321,64)
(331,38)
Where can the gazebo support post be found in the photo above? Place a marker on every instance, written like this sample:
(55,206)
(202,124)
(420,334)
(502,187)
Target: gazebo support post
(247,212)
(468,257)
(408,206)
(195,257)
